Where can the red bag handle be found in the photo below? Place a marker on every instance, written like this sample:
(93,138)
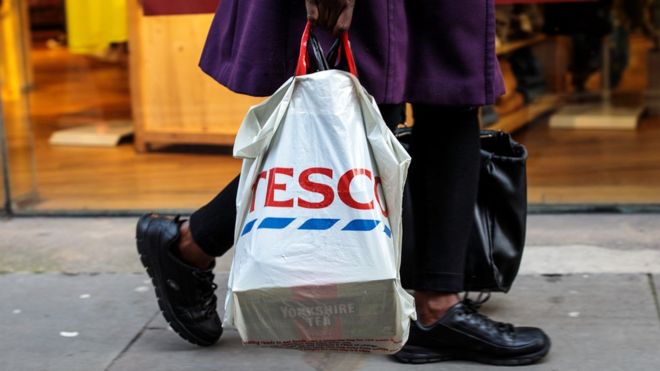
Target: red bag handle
(350,60)
(303,55)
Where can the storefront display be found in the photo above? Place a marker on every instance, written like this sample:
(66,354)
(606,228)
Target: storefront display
(173,101)
(552,58)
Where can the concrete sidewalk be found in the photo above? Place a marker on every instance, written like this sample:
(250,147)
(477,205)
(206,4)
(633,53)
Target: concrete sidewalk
(74,298)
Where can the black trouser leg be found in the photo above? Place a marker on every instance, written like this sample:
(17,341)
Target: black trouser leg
(212,226)
(444,178)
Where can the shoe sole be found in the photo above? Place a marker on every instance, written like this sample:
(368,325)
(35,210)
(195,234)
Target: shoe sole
(419,355)
(153,270)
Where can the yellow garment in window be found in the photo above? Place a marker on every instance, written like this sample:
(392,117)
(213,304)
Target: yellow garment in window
(93,25)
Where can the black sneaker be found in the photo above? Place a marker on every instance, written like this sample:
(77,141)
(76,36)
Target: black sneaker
(463,333)
(185,293)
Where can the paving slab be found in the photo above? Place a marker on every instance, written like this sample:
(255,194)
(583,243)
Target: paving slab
(566,259)
(54,321)
(618,231)
(557,243)
(596,322)
(68,245)
(74,245)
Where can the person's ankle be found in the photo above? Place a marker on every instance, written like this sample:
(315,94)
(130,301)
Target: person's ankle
(431,306)
(189,251)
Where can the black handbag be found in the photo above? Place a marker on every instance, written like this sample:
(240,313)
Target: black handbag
(498,236)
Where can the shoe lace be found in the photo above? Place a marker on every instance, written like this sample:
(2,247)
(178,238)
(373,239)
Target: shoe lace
(482,298)
(206,290)
(472,308)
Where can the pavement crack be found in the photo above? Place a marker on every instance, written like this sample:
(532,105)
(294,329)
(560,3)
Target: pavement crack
(135,338)
(654,293)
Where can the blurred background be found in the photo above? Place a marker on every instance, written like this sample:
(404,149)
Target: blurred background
(105,111)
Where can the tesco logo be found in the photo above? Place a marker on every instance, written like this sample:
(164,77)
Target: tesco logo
(319,182)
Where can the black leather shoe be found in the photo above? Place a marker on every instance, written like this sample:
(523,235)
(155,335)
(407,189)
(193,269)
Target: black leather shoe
(463,333)
(185,293)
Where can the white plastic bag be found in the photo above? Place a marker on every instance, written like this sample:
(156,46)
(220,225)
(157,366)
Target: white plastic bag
(318,229)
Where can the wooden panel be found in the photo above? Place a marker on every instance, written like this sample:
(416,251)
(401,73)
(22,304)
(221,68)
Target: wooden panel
(179,137)
(574,166)
(20,148)
(171,93)
(15,70)
(135,71)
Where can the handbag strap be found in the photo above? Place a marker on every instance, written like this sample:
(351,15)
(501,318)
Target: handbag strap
(342,47)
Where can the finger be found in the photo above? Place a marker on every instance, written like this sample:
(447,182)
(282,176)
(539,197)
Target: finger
(312,11)
(332,18)
(343,21)
(324,16)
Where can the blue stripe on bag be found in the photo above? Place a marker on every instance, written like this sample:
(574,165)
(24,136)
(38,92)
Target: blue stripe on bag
(318,224)
(388,232)
(275,223)
(361,225)
(248,227)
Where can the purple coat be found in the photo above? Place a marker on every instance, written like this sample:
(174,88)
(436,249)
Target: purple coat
(418,51)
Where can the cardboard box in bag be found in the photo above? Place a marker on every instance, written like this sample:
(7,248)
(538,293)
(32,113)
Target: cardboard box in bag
(350,317)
